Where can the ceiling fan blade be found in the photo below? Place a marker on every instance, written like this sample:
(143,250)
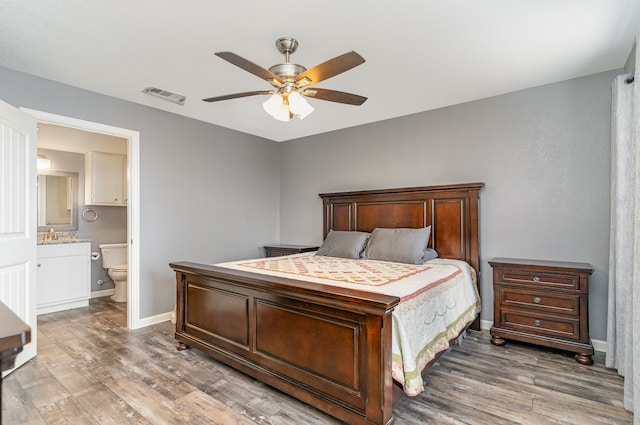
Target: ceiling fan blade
(334,96)
(329,69)
(237,95)
(251,67)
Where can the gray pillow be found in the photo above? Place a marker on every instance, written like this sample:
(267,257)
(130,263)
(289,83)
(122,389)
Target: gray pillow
(429,254)
(344,244)
(400,245)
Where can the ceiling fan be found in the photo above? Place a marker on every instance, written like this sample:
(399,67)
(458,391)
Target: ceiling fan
(292,82)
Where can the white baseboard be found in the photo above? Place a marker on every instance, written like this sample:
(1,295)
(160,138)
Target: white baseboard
(103,293)
(147,321)
(158,318)
(485,325)
(61,306)
(598,345)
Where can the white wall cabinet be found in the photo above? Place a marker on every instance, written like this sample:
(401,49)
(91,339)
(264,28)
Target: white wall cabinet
(105,179)
(63,276)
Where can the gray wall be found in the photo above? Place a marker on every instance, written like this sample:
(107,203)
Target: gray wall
(543,154)
(210,194)
(111,225)
(207,193)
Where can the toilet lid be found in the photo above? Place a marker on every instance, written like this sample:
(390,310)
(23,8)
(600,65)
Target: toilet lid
(120,268)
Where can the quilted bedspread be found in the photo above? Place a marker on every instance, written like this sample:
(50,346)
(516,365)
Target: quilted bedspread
(437,300)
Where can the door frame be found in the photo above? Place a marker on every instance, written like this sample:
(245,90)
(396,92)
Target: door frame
(133,200)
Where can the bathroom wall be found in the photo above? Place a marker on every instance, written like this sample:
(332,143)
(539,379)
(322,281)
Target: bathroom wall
(111,225)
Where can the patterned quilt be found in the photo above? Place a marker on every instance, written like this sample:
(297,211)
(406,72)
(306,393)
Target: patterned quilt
(437,300)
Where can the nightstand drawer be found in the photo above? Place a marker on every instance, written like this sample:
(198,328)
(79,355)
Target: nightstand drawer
(556,327)
(540,280)
(540,301)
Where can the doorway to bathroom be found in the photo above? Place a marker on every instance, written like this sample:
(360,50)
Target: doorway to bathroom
(104,138)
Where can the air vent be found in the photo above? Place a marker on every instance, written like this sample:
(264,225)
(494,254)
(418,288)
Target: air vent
(166,95)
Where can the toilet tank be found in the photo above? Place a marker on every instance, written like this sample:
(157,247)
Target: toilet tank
(113,254)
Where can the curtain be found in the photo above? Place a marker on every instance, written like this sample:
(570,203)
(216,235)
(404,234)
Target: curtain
(623,327)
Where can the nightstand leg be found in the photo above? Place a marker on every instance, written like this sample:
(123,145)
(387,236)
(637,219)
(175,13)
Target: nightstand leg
(584,359)
(180,346)
(496,340)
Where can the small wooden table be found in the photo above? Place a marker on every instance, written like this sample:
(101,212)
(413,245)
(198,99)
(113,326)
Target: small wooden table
(14,334)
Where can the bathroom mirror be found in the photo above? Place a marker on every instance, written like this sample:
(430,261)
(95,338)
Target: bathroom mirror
(57,201)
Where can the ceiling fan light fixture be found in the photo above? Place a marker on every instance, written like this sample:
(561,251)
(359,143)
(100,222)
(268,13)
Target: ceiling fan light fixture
(278,107)
(284,114)
(273,104)
(299,106)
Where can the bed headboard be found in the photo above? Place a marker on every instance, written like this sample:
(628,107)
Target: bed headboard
(450,210)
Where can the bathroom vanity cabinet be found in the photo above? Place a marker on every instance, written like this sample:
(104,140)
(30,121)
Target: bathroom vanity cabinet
(63,276)
(105,179)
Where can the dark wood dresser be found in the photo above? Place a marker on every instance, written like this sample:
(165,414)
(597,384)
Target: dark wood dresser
(544,303)
(280,250)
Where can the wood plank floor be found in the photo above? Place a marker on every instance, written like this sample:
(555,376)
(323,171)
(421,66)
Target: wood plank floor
(91,370)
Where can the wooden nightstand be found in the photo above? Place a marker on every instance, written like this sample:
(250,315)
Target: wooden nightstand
(280,250)
(544,303)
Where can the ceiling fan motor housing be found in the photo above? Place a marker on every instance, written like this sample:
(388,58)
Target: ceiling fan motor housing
(287,71)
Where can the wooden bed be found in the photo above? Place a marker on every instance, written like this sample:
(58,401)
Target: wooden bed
(336,355)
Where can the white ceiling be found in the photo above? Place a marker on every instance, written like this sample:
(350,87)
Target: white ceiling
(420,54)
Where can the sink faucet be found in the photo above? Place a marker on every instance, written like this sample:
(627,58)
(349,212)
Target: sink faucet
(52,236)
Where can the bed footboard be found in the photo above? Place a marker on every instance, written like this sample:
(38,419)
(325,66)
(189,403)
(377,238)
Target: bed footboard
(329,347)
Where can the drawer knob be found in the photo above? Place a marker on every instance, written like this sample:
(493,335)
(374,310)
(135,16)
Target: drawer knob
(537,322)
(536,279)
(536,300)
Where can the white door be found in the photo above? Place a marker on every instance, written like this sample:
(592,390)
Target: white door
(18,219)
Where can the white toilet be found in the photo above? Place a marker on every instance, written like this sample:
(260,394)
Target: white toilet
(114,259)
